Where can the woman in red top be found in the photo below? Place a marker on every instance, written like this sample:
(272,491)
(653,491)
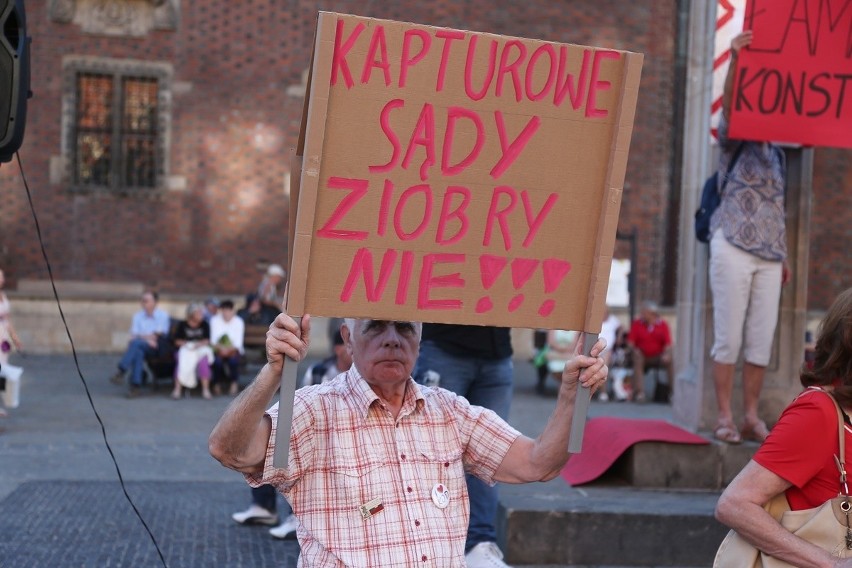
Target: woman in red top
(797,457)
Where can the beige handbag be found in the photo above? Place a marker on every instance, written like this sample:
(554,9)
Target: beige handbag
(827,526)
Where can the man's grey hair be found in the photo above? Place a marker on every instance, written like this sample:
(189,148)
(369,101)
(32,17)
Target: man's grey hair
(651,306)
(350,323)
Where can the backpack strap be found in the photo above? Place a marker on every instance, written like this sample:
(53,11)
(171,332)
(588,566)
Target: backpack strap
(731,165)
(782,159)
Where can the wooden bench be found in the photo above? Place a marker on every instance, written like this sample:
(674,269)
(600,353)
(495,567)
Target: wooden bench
(160,366)
(254,344)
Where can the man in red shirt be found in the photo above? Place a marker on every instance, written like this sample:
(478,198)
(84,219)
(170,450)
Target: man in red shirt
(651,346)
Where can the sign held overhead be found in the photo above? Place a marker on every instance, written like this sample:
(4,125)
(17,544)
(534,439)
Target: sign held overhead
(794,82)
(458,177)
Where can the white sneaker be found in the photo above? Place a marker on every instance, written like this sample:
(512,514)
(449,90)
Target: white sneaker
(289,526)
(485,555)
(255,515)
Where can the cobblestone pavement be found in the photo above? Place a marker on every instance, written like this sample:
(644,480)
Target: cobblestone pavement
(61,503)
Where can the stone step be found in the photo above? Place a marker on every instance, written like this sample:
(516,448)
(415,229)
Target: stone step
(681,466)
(607,526)
(653,507)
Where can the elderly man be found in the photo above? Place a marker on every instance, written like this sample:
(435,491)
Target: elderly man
(148,327)
(376,472)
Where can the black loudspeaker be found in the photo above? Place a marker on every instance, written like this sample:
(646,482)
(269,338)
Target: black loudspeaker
(14,76)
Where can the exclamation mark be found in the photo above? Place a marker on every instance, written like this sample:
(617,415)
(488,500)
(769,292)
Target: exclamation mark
(490,268)
(554,271)
(522,271)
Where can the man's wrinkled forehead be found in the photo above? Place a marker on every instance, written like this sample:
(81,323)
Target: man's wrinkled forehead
(367,323)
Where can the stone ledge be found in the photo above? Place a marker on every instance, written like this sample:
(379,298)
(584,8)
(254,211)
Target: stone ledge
(628,515)
(31,289)
(682,466)
(78,289)
(608,527)
(102,325)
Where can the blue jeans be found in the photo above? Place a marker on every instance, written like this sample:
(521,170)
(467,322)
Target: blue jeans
(133,359)
(483,382)
(233,366)
(267,497)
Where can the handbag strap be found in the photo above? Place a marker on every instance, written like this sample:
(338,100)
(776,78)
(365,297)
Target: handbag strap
(845,504)
(840,461)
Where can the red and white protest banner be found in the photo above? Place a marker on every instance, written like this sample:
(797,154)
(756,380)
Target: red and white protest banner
(794,82)
(729,23)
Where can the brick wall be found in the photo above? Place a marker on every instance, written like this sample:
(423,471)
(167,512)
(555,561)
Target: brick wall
(830,270)
(235,114)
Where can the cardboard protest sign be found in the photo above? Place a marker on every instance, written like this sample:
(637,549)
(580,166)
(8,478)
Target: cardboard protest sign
(794,82)
(458,177)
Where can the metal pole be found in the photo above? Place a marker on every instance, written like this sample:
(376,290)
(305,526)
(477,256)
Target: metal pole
(289,376)
(581,404)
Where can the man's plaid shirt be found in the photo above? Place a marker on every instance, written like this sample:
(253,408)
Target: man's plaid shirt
(347,450)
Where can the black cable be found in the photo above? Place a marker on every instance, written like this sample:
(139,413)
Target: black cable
(77,364)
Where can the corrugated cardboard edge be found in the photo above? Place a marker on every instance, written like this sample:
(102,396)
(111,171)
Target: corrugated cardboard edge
(605,242)
(311,144)
(614,187)
(295,189)
(296,157)
(304,163)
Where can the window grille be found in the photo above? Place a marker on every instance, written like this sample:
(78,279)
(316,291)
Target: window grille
(116,130)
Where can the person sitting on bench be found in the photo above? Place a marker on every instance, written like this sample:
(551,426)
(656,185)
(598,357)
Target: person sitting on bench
(148,327)
(651,346)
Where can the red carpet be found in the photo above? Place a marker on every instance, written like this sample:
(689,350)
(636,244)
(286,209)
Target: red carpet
(606,438)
